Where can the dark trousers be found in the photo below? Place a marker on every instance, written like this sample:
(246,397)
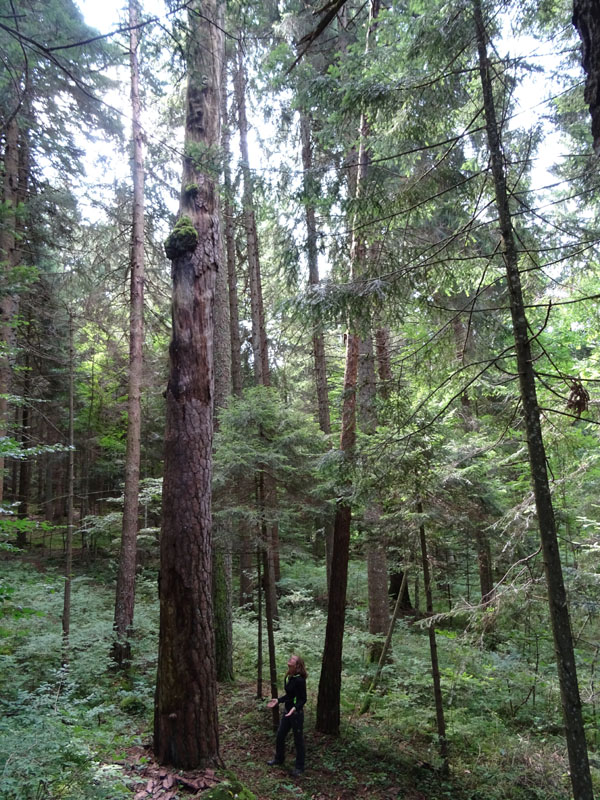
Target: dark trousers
(296,723)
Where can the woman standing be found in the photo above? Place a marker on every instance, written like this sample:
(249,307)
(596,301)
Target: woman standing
(293,700)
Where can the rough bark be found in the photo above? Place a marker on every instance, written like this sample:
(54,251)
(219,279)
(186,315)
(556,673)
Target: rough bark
(384,363)
(557,598)
(586,18)
(185,718)
(125,594)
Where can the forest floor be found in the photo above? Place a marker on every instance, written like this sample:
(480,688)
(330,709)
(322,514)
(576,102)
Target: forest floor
(337,769)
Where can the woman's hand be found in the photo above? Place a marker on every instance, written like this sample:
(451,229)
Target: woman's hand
(272,703)
(291,711)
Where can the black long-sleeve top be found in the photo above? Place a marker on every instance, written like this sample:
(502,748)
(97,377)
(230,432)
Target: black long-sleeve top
(295,693)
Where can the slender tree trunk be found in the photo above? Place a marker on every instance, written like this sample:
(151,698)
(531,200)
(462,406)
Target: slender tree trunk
(185,718)
(435,667)
(8,302)
(377,572)
(311,190)
(25,464)
(557,597)
(229,231)
(223,619)
(125,596)
(269,590)
(259,335)
(484,564)
(330,680)
(386,646)
(462,340)
(245,567)
(66,615)
(259,649)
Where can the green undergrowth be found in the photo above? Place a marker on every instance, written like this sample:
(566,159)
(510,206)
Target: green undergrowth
(64,732)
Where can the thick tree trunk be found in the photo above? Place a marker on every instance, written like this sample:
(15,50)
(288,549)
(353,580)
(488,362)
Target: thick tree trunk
(185,713)
(586,18)
(384,361)
(125,595)
(557,597)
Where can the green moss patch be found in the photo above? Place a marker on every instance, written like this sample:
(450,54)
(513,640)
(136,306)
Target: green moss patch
(182,239)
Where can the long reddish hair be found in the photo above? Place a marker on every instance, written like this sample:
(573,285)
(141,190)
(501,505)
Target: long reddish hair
(300,667)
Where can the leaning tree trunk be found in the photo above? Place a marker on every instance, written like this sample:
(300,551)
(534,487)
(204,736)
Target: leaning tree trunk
(125,595)
(557,597)
(185,709)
